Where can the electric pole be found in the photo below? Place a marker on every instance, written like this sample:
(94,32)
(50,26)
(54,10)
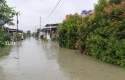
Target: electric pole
(17,20)
(40,22)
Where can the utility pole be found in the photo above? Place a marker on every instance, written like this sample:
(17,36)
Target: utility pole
(35,28)
(40,22)
(17,20)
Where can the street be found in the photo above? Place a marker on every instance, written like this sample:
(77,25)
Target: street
(38,60)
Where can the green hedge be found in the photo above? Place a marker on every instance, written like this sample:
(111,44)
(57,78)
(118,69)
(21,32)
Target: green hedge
(67,31)
(101,35)
(107,40)
(4,36)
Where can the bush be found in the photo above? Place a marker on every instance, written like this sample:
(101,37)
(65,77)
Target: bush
(67,31)
(3,38)
(17,37)
(107,40)
(115,1)
(101,35)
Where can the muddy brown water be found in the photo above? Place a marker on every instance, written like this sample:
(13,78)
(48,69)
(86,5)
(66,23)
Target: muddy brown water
(37,60)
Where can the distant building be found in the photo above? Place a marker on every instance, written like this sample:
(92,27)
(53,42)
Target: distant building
(86,13)
(12,32)
(67,17)
(49,30)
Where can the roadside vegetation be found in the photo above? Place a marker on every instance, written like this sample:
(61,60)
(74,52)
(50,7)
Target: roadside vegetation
(6,17)
(36,34)
(4,37)
(101,34)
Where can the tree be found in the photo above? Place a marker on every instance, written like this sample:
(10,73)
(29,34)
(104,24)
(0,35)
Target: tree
(68,31)
(115,1)
(6,17)
(83,33)
(36,34)
(6,13)
(107,39)
(101,35)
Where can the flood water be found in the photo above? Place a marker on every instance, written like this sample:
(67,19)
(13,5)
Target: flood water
(37,60)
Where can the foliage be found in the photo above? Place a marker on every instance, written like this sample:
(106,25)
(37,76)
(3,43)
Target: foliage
(36,34)
(83,33)
(3,38)
(101,35)
(6,16)
(6,13)
(107,39)
(24,35)
(18,37)
(67,31)
(115,1)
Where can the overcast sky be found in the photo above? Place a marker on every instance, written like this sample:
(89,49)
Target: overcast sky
(32,10)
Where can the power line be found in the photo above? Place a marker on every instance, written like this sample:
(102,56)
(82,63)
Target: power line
(52,10)
(60,6)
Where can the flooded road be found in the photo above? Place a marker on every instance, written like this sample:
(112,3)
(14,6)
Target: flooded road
(37,60)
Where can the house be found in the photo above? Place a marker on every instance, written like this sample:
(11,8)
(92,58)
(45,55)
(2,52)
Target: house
(49,31)
(12,32)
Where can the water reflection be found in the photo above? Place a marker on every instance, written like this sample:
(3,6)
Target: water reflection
(2,75)
(51,49)
(39,60)
(81,67)
(5,51)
